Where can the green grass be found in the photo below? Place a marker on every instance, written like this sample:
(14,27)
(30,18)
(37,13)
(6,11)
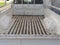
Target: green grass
(1,3)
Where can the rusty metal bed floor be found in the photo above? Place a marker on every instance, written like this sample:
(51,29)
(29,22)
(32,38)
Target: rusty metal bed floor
(27,25)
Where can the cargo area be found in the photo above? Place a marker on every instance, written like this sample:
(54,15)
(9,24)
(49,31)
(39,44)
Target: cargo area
(27,25)
(29,22)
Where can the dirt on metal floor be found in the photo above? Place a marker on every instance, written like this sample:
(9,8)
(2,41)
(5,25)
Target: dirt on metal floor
(27,25)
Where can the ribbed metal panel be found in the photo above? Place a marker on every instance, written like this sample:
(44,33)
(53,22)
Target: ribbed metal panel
(30,25)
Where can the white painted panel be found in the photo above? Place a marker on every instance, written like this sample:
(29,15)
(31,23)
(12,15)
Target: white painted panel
(10,42)
(55,17)
(28,9)
(5,20)
(40,42)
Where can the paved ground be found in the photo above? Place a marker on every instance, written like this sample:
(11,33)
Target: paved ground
(5,7)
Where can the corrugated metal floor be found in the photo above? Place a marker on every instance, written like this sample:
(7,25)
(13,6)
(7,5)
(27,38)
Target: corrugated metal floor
(27,25)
